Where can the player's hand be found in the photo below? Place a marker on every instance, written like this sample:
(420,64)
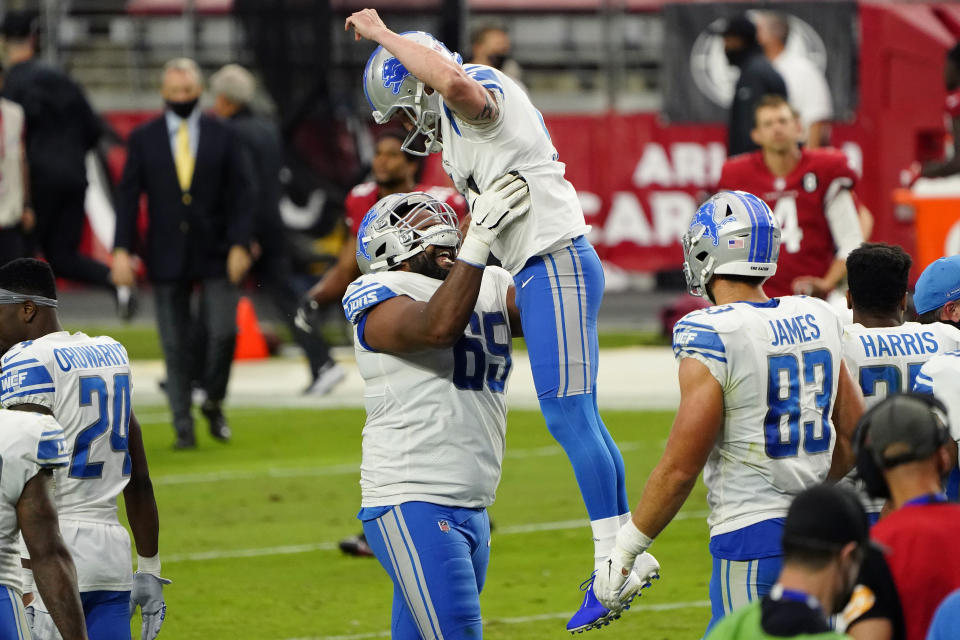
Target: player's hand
(911,174)
(498,207)
(306,314)
(147,593)
(29,611)
(811,286)
(492,211)
(366,24)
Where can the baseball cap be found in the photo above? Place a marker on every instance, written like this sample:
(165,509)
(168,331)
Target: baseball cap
(825,517)
(938,284)
(904,427)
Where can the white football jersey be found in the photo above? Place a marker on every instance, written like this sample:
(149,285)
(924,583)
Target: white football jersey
(476,155)
(29,442)
(85,381)
(940,376)
(436,419)
(887,360)
(778,366)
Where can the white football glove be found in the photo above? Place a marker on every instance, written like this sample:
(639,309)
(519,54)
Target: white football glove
(615,590)
(507,199)
(147,593)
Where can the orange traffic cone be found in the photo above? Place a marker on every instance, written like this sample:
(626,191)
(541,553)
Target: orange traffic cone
(251,345)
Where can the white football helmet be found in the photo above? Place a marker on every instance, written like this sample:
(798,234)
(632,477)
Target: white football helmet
(402,225)
(734,232)
(391,89)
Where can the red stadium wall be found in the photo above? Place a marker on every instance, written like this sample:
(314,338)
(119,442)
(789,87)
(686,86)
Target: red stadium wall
(640,180)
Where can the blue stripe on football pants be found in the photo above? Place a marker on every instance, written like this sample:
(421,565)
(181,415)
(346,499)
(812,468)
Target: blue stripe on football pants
(437,558)
(735,583)
(559,296)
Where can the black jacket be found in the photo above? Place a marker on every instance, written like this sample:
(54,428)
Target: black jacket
(188,234)
(60,124)
(757,79)
(262,141)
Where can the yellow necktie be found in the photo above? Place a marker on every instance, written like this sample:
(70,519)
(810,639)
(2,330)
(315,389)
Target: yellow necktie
(184,157)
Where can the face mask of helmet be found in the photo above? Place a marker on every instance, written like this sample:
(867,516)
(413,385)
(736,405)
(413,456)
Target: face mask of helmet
(393,91)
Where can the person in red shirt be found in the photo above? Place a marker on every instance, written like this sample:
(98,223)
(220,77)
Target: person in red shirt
(809,193)
(950,166)
(394,171)
(904,451)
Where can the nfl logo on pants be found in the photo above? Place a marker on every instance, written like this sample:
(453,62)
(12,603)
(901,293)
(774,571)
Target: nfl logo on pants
(444,526)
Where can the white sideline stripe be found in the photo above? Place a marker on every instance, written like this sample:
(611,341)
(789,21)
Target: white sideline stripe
(560,525)
(250,553)
(560,615)
(222,554)
(339,469)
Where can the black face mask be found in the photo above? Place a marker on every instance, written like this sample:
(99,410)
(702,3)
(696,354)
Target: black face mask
(184,108)
(736,56)
(497,60)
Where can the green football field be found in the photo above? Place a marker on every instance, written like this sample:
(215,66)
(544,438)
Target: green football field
(249,531)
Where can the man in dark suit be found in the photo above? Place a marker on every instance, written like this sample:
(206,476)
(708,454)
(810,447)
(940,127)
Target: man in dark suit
(233,89)
(200,202)
(61,128)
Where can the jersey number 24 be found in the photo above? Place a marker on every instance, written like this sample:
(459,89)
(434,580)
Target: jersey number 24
(116,422)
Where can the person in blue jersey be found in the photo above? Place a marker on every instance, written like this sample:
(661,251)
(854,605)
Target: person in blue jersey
(85,383)
(767,408)
(485,126)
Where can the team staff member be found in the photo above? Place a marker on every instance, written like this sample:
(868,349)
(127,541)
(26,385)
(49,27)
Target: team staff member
(393,171)
(809,193)
(201,210)
(904,451)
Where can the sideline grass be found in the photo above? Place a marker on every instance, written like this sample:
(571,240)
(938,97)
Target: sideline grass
(289,478)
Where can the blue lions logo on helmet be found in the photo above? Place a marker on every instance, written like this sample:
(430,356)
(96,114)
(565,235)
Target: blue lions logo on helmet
(394,73)
(705,218)
(362,231)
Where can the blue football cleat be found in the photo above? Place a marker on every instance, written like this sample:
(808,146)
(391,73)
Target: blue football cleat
(591,614)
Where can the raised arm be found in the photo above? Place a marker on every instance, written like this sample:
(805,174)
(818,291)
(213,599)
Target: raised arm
(50,561)
(467,97)
(401,324)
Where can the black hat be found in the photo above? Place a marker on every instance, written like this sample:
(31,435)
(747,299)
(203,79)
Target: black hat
(825,518)
(19,25)
(905,427)
(740,26)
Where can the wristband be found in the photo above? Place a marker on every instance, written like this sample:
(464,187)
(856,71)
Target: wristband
(631,539)
(474,251)
(26,576)
(149,565)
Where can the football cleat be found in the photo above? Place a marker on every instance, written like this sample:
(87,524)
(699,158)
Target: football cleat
(591,614)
